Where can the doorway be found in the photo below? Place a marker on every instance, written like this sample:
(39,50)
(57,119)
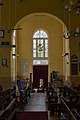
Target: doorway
(40,72)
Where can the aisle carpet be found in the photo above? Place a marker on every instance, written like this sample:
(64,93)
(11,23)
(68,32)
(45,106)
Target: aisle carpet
(32,115)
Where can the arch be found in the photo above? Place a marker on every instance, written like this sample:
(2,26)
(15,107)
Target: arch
(38,14)
(40,47)
(40,32)
(52,16)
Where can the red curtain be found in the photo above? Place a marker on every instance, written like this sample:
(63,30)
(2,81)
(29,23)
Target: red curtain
(40,72)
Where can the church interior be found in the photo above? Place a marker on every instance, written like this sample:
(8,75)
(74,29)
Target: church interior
(39,60)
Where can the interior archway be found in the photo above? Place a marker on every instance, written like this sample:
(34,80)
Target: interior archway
(54,27)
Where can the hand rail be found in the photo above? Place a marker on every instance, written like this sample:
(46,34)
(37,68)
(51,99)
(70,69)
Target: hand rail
(68,109)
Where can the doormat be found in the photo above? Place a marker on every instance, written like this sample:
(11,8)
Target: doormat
(32,115)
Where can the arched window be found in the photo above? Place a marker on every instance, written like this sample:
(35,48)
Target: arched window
(40,47)
(74,65)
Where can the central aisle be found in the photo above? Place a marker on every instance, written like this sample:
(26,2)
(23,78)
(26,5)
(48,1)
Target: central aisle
(36,108)
(36,102)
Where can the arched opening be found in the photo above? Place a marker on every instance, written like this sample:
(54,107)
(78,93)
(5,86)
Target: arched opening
(57,45)
(40,59)
(40,47)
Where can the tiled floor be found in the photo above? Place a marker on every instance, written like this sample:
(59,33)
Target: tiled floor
(37,103)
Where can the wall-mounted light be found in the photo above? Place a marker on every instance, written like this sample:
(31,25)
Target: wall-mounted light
(13,46)
(65,54)
(15,55)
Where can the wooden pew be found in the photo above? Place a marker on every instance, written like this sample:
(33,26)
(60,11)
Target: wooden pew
(6,96)
(7,104)
(66,112)
(51,97)
(78,108)
(9,112)
(25,94)
(67,91)
(73,101)
(0,103)
(76,114)
(71,98)
(1,88)
(72,91)
(12,93)
(55,108)
(23,98)
(49,91)
(77,88)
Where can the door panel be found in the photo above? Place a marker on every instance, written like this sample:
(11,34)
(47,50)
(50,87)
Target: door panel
(40,72)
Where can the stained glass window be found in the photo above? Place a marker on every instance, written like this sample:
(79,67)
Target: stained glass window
(40,47)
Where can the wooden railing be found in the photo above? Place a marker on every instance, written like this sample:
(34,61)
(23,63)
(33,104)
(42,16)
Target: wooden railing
(8,104)
(66,112)
(69,106)
(22,98)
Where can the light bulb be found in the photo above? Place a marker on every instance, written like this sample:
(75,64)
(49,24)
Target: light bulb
(71,3)
(77,29)
(78,12)
(69,9)
(66,7)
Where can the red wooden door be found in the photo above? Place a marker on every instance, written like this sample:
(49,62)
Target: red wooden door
(40,72)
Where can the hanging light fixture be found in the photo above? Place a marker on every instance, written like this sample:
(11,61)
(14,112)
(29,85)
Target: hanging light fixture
(66,33)
(70,7)
(1,30)
(73,6)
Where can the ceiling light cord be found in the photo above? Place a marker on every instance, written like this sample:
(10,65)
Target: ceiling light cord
(15,14)
(64,16)
(69,22)
(0,16)
(9,18)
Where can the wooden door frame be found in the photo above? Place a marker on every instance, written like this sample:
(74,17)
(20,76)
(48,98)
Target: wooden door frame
(46,84)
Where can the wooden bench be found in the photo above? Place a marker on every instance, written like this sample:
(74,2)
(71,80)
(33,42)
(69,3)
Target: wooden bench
(51,97)
(7,104)
(10,111)
(23,98)
(67,91)
(66,113)
(6,96)
(25,94)
(70,97)
(55,108)
(76,114)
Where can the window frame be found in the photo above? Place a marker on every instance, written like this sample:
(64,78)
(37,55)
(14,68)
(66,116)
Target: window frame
(44,47)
